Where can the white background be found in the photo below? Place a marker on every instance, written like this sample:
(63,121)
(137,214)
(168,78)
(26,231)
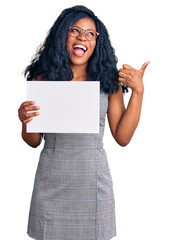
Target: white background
(139,33)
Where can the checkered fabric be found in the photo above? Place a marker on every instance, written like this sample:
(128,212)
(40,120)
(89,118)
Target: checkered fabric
(73,195)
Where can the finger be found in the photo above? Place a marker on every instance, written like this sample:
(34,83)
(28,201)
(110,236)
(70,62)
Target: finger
(24,104)
(31,108)
(122,80)
(126,71)
(144,66)
(28,120)
(126,66)
(27,110)
(122,74)
(24,116)
(28,115)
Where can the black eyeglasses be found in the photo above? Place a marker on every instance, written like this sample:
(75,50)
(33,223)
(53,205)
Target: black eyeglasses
(90,34)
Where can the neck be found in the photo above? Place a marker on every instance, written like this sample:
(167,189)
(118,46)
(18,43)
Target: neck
(79,72)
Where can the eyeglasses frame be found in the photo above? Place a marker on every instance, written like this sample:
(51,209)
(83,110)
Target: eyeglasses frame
(97,34)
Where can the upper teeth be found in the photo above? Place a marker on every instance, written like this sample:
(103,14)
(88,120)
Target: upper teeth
(80,46)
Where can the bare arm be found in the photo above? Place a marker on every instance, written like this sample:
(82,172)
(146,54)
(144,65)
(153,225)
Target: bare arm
(123,122)
(32,139)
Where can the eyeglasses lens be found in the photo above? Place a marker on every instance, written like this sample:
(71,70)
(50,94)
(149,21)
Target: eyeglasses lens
(90,34)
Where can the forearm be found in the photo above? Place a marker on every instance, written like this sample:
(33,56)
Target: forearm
(130,119)
(32,139)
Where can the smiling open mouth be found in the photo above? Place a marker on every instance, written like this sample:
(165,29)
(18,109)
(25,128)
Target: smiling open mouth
(79,50)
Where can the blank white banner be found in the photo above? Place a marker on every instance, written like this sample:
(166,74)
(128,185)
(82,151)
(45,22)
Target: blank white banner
(65,106)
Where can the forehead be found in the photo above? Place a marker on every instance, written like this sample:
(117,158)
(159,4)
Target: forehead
(86,23)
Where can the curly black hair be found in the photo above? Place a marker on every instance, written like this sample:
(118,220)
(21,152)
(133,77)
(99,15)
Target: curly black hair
(51,60)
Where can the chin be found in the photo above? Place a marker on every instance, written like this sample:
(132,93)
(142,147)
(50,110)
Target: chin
(79,62)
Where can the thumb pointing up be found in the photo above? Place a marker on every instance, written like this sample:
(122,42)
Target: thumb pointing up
(142,69)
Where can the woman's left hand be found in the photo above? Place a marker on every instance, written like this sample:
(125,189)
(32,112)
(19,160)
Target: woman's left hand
(132,77)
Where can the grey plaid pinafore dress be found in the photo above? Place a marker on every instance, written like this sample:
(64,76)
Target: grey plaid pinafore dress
(73,195)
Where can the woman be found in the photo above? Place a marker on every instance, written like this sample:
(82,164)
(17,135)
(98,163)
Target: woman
(73,190)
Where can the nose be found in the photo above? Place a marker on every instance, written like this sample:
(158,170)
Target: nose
(82,35)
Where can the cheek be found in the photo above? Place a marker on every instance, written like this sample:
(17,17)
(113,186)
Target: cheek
(92,47)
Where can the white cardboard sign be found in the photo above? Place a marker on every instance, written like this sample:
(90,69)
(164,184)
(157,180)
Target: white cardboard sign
(65,106)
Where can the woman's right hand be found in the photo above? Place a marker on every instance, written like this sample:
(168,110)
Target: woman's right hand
(24,108)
